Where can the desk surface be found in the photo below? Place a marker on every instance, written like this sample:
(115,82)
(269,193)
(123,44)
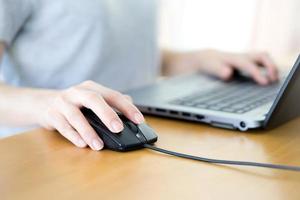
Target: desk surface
(41,164)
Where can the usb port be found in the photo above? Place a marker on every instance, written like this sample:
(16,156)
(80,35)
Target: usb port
(173,112)
(160,110)
(199,117)
(185,114)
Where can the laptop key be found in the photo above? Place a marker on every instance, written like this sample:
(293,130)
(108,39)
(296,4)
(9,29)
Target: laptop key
(233,98)
(228,109)
(201,105)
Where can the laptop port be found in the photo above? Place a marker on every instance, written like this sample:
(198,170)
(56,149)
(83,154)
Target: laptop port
(185,114)
(222,125)
(242,124)
(199,117)
(172,112)
(160,110)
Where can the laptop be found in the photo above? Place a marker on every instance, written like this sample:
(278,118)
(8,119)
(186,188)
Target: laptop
(238,104)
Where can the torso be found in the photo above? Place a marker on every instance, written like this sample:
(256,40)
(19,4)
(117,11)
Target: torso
(66,42)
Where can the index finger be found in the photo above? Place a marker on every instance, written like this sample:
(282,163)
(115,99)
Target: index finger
(119,101)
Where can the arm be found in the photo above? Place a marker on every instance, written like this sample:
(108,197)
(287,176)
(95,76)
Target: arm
(16,103)
(174,63)
(60,109)
(220,64)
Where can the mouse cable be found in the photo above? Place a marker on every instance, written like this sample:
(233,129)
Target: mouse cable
(225,162)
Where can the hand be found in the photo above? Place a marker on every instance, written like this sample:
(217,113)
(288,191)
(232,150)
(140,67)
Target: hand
(222,64)
(64,114)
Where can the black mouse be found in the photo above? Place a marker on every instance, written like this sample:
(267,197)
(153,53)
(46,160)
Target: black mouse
(131,138)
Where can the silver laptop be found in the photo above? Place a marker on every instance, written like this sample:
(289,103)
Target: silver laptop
(237,104)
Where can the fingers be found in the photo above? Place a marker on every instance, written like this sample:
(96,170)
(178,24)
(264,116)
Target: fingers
(265,60)
(120,102)
(223,64)
(251,68)
(66,117)
(94,101)
(220,70)
(226,72)
(81,125)
(63,126)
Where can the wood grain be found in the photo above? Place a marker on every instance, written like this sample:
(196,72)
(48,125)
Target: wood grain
(42,165)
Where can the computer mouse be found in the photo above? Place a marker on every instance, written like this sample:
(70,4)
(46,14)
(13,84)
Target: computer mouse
(131,138)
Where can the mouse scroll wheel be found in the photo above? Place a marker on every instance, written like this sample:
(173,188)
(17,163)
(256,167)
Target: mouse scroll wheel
(132,127)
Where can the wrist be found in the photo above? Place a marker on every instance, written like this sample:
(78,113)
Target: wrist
(33,104)
(41,101)
(173,62)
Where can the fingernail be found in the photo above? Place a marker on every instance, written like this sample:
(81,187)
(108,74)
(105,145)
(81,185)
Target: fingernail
(138,118)
(116,126)
(97,145)
(81,143)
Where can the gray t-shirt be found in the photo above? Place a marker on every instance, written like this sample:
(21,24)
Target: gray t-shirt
(59,43)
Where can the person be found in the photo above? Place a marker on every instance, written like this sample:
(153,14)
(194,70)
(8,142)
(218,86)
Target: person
(58,56)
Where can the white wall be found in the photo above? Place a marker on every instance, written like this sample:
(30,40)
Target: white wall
(194,24)
(232,25)
(278,27)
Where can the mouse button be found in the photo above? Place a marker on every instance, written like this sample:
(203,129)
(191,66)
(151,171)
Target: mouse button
(132,126)
(96,123)
(92,117)
(123,118)
(141,137)
(127,137)
(104,134)
(148,133)
(88,112)
(110,143)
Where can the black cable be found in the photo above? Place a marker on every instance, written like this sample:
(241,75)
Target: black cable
(225,162)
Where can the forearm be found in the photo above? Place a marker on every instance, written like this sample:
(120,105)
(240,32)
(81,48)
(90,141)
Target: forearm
(174,63)
(22,106)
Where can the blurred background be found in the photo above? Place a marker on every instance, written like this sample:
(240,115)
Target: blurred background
(232,25)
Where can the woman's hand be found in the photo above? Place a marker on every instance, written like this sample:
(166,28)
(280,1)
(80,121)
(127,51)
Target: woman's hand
(222,64)
(64,115)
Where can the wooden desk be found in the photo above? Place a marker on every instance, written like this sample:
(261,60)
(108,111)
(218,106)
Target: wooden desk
(42,165)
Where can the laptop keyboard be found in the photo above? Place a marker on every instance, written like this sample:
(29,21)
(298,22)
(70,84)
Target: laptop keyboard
(231,97)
